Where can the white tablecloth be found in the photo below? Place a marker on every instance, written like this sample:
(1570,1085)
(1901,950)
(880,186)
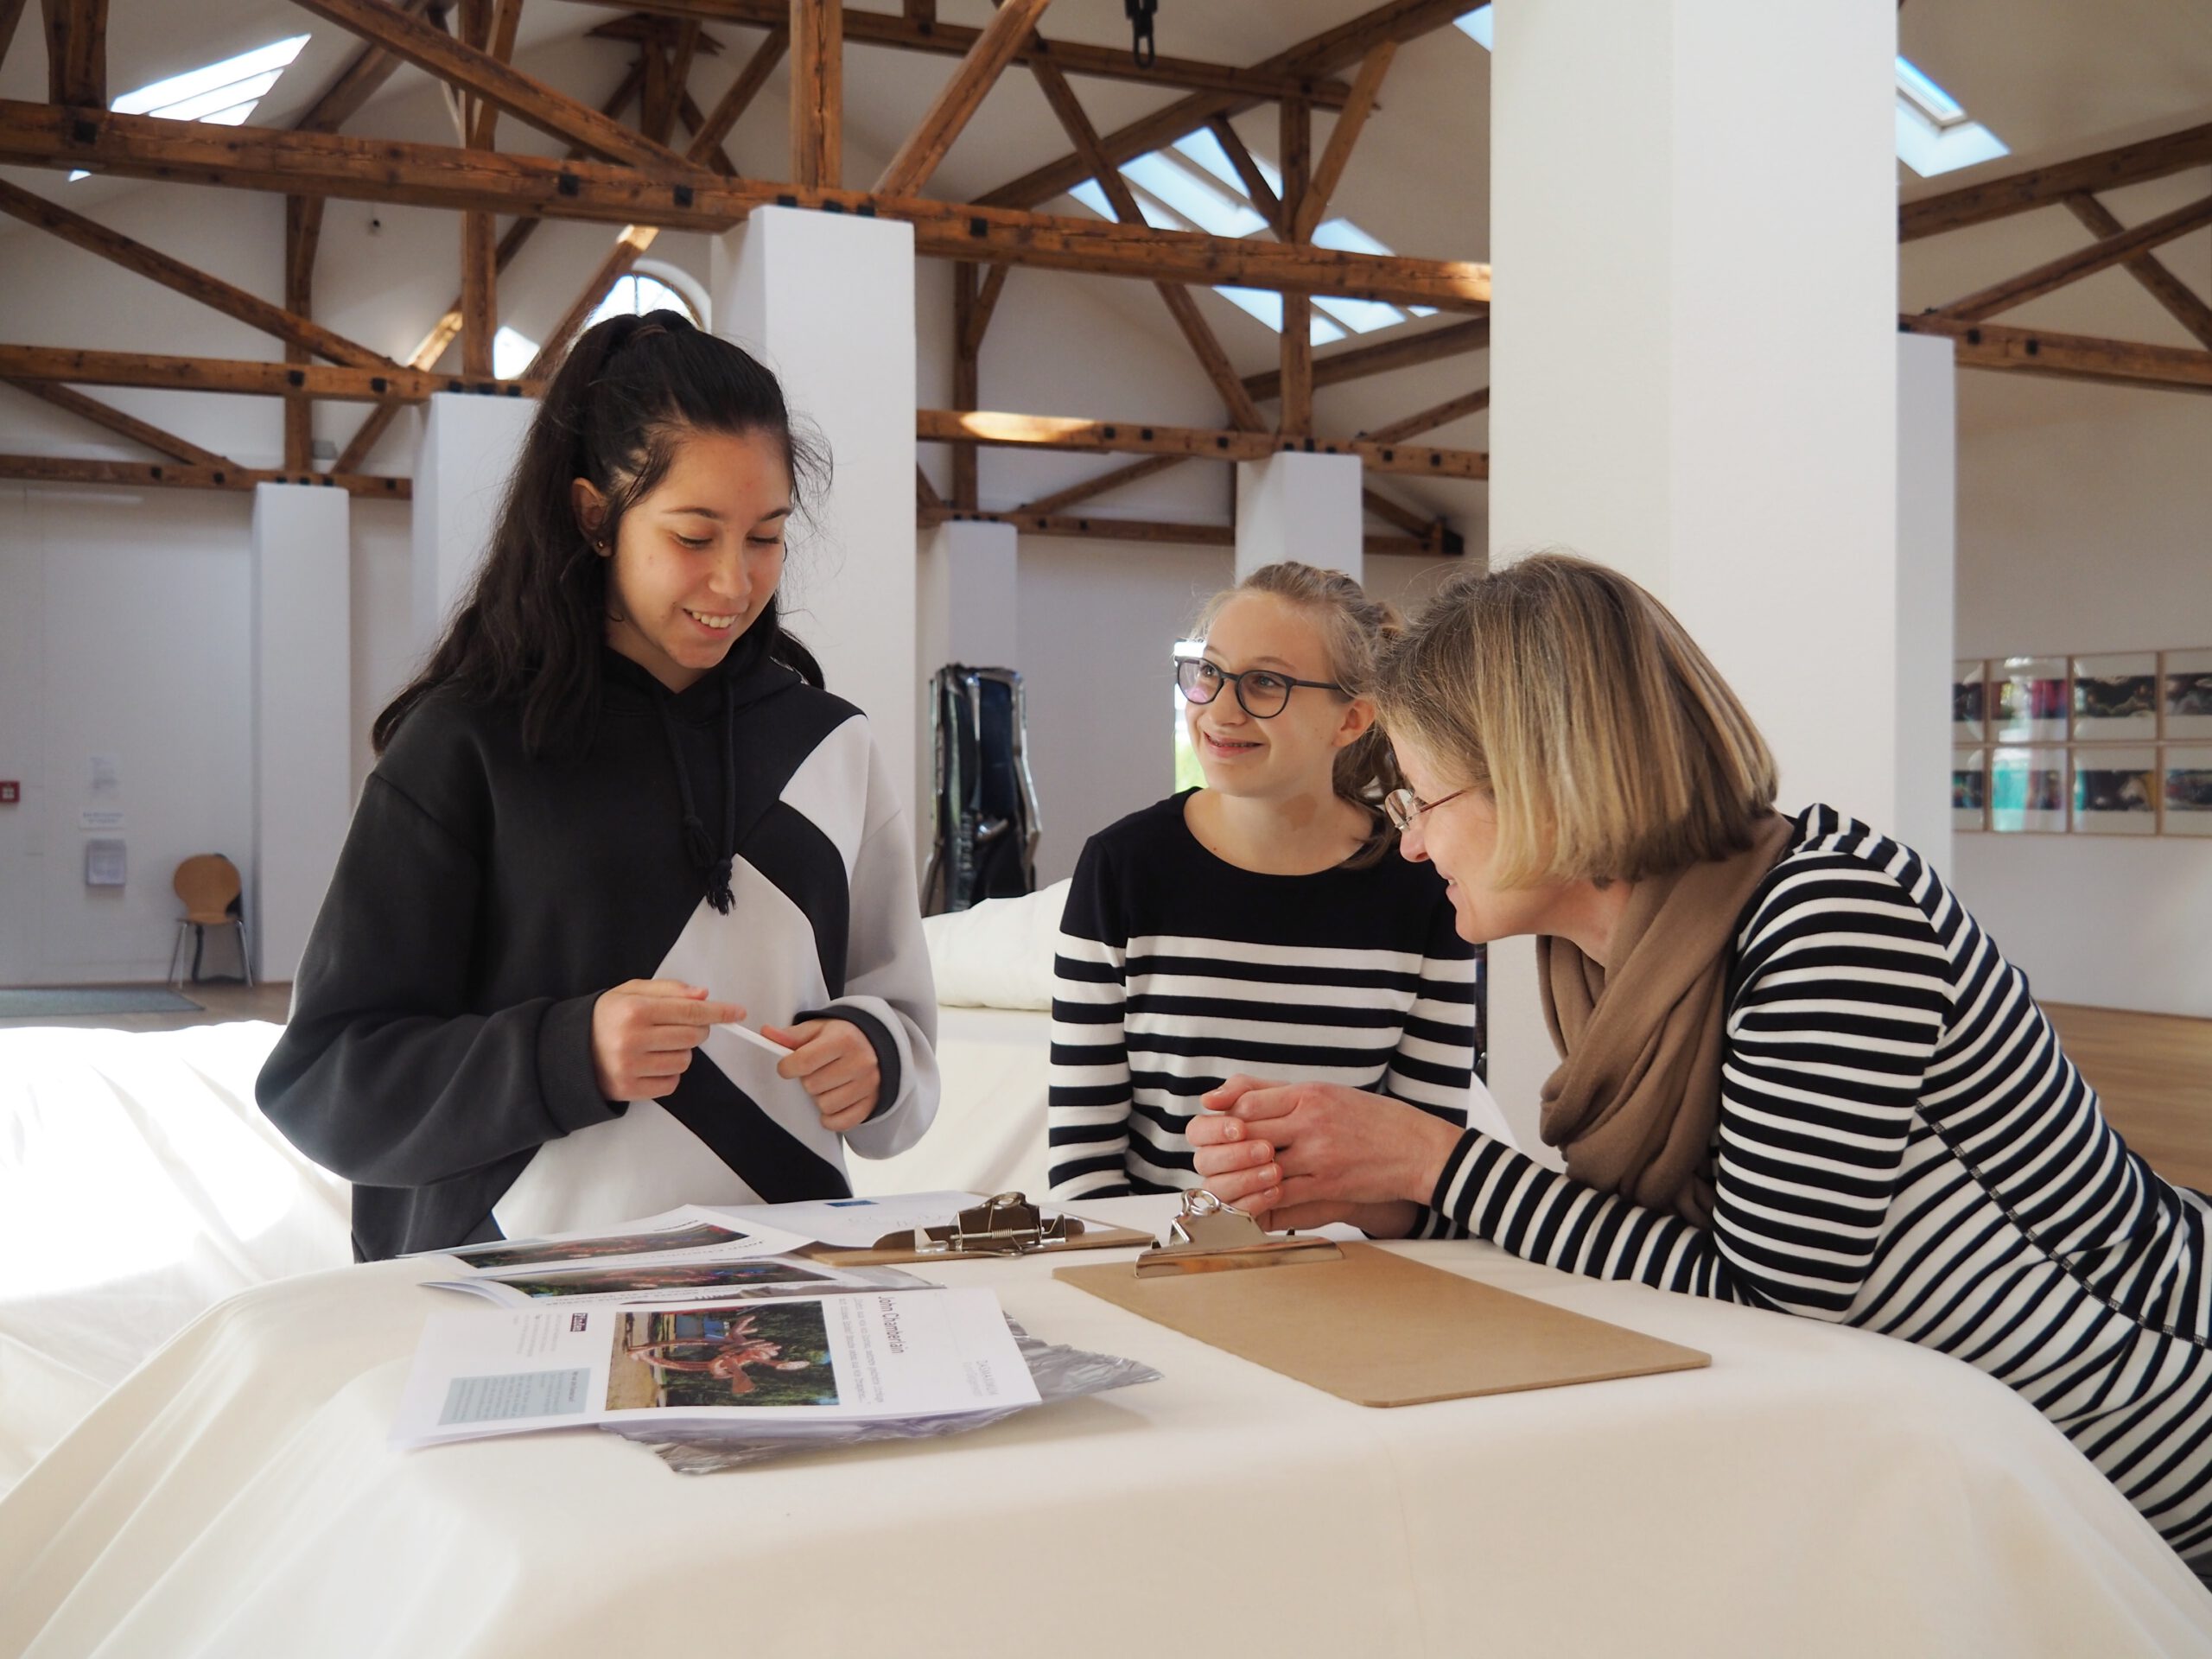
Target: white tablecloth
(1817,1491)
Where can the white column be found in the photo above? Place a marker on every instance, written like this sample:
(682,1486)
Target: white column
(1695,373)
(302,713)
(1294,505)
(827,301)
(964,612)
(468,449)
(1928,476)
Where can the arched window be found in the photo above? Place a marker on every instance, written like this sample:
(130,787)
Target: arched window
(642,291)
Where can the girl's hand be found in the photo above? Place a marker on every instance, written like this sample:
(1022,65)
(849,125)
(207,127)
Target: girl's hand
(1335,1153)
(837,1062)
(643,1032)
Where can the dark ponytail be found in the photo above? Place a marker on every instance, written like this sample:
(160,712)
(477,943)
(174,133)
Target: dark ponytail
(630,390)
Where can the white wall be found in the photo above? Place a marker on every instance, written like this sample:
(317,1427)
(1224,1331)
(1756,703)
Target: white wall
(2083,516)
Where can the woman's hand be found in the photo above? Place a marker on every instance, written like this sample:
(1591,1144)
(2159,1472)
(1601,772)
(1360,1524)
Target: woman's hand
(837,1064)
(1303,1154)
(643,1032)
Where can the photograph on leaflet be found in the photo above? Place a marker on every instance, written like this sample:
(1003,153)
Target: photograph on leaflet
(761,1272)
(766,1354)
(523,1253)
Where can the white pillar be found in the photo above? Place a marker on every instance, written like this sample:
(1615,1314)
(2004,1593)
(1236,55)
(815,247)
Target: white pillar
(827,301)
(1294,505)
(302,713)
(1928,474)
(468,449)
(1695,373)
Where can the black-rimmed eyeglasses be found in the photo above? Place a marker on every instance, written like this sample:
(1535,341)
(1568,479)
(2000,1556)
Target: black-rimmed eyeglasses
(1402,806)
(1260,692)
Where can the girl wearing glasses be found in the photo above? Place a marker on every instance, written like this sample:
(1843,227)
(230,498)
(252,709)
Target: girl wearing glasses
(1261,924)
(1796,1073)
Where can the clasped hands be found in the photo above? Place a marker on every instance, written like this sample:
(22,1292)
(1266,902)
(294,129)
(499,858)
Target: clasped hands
(1303,1154)
(644,1031)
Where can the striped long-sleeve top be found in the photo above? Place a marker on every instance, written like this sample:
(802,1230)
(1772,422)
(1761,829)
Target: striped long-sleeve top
(1902,1146)
(1176,970)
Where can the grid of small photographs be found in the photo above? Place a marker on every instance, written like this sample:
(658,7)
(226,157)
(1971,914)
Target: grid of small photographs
(2114,744)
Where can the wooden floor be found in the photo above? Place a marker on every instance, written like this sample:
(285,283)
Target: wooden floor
(2154,1074)
(219,1004)
(2153,1071)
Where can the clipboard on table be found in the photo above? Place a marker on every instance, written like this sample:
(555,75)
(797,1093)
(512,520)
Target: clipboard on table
(1379,1329)
(1005,1225)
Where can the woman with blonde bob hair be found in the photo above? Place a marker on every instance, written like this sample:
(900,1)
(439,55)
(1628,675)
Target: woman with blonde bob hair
(1795,1072)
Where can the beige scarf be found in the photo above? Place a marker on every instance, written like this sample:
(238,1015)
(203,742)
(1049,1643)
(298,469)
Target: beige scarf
(1636,1096)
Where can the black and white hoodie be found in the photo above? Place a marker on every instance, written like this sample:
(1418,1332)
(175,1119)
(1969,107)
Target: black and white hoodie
(439,1050)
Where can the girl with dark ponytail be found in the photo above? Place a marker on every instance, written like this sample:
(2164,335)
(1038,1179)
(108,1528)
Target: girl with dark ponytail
(1261,924)
(615,812)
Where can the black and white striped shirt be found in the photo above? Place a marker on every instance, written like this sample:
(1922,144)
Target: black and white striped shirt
(1177,969)
(1904,1146)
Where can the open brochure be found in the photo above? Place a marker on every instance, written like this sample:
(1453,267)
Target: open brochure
(769,1366)
(687,1233)
(651,1279)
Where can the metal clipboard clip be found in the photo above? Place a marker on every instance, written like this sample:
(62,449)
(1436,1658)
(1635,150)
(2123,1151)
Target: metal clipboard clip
(1211,1235)
(1007,1224)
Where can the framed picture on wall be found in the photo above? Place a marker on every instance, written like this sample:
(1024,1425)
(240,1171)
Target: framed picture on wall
(1970,703)
(2027,790)
(2030,698)
(2188,693)
(2187,772)
(2115,791)
(1969,789)
(2117,697)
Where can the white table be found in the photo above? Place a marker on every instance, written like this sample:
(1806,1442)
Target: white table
(1817,1491)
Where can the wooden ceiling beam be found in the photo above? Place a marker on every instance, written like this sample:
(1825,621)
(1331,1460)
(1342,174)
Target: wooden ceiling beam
(188,280)
(447,176)
(469,69)
(11,12)
(1138,438)
(500,44)
(913,33)
(1060,500)
(956,102)
(55,469)
(1323,55)
(168,373)
(2069,268)
(155,438)
(1408,350)
(1427,420)
(1977,204)
(2177,296)
(1204,344)
(818,92)
(1329,171)
(1149,529)
(1248,169)
(361,80)
(2073,357)
(731,107)
(985,306)
(76,52)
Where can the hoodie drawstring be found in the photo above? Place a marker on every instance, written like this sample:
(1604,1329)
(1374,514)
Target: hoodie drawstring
(697,842)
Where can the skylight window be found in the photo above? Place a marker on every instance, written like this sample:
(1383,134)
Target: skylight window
(512,350)
(1935,133)
(220,94)
(1192,185)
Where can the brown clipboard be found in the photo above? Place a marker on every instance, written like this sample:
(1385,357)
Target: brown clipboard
(1094,1237)
(1379,1329)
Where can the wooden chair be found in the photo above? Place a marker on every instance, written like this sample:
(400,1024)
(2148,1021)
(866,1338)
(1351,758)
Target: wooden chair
(208,883)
